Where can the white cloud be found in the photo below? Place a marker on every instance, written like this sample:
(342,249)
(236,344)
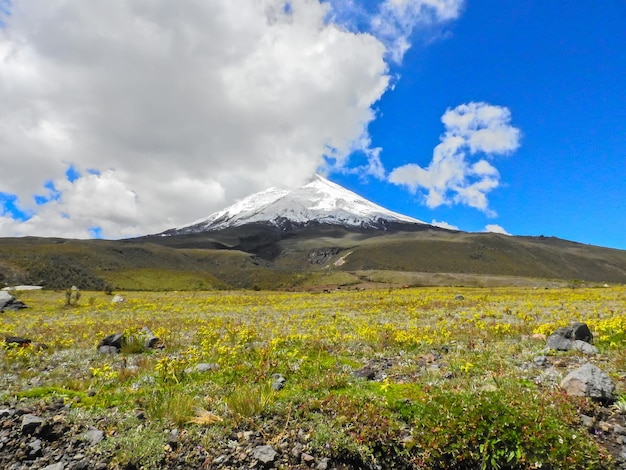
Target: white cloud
(455,175)
(443,224)
(396,20)
(182,106)
(493,228)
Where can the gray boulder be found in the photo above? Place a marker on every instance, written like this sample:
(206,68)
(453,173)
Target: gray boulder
(366,373)
(580,331)
(5,298)
(589,381)
(114,343)
(559,342)
(150,340)
(35,449)
(264,454)
(8,302)
(30,423)
(93,436)
(584,347)
(115,340)
(205,367)
(278,382)
(568,338)
(108,350)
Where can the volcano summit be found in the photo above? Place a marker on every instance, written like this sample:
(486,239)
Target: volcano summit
(320,202)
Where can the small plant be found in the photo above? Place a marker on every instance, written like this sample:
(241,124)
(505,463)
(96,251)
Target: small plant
(106,373)
(620,405)
(249,401)
(171,404)
(133,341)
(170,370)
(72,295)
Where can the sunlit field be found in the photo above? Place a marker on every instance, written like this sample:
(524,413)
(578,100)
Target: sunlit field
(406,378)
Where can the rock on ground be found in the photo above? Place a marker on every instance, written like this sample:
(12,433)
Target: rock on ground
(589,381)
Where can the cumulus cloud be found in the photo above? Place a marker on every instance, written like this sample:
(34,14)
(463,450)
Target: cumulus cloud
(456,173)
(442,224)
(493,228)
(183,107)
(397,19)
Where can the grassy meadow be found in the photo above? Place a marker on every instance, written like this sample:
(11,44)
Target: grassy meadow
(454,383)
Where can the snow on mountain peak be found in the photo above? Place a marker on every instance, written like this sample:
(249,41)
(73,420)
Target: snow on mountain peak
(320,201)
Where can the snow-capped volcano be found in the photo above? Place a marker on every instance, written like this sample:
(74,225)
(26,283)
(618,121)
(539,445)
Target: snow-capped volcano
(319,201)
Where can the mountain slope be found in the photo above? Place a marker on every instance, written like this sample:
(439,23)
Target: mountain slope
(319,256)
(314,236)
(320,201)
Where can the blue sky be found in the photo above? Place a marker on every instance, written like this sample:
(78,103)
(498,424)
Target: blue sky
(121,119)
(560,68)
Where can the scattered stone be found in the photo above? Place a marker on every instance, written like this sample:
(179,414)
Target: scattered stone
(30,423)
(584,347)
(278,382)
(151,341)
(588,421)
(549,377)
(580,331)
(264,454)
(618,429)
(296,452)
(459,297)
(55,466)
(108,350)
(366,373)
(94,436)
(17,340)
(428,358)
(203,367)
(559,342)
(307,458)
(589,381)
(222,459)
(118,340)
(172,438)
(540,361)
(323,464)
(538,337)
(115,340)
(117,299)
(564,339)
(8,302)
(605,427)
(34,449)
